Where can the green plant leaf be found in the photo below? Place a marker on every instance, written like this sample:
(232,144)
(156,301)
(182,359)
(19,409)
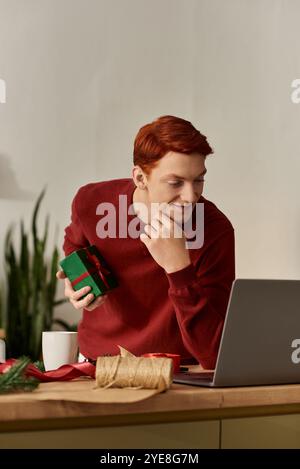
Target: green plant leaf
(46,231)
(35,214)
(60,302)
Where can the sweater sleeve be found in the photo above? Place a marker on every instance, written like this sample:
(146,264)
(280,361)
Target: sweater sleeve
(74,238)
(200,294)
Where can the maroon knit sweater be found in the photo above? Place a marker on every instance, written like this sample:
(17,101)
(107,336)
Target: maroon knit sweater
(152,311)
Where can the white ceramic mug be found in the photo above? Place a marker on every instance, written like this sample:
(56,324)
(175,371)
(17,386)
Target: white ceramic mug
(59,348)
(2,351)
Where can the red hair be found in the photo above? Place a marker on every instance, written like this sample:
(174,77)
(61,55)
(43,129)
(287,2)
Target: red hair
(167,133)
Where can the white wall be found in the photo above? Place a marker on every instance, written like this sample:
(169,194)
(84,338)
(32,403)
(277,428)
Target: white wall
(83,76)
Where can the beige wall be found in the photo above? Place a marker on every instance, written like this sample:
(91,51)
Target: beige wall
(83,76)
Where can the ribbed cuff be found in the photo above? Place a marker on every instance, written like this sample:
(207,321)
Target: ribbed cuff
(182,277)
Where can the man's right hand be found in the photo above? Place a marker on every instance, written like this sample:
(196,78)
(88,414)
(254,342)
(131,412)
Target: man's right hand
(75,295)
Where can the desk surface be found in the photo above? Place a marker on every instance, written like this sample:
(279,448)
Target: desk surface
(180,403)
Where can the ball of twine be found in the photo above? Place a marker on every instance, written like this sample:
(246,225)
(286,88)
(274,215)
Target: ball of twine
(134,372)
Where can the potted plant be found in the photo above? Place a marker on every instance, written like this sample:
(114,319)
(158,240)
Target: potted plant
(30,290)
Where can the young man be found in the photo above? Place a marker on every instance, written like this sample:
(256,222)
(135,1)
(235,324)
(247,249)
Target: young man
(172,297)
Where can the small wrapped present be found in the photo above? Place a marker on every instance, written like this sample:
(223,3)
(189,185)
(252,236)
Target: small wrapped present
(86,267)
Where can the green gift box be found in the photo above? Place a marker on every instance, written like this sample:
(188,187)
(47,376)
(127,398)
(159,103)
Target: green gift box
(86,267)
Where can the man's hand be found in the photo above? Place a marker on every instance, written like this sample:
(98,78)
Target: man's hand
(167,250)
(75,295)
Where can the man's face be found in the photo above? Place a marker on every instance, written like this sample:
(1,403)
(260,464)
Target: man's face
(177,180)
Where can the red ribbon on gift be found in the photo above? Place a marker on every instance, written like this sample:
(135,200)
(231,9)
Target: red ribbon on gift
(98,267)
(63,373)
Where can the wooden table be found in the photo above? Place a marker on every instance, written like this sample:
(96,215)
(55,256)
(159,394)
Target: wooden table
(183,417)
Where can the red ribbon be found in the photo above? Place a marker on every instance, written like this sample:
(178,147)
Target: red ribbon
(100,269)
(63,373)
(173,356)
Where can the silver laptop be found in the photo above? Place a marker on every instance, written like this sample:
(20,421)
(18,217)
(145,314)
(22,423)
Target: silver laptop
(260,341)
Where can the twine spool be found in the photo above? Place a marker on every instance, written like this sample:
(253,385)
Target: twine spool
(134,372)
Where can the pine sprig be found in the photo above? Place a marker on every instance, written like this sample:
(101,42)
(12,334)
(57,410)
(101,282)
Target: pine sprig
(39,364)
(15,380)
